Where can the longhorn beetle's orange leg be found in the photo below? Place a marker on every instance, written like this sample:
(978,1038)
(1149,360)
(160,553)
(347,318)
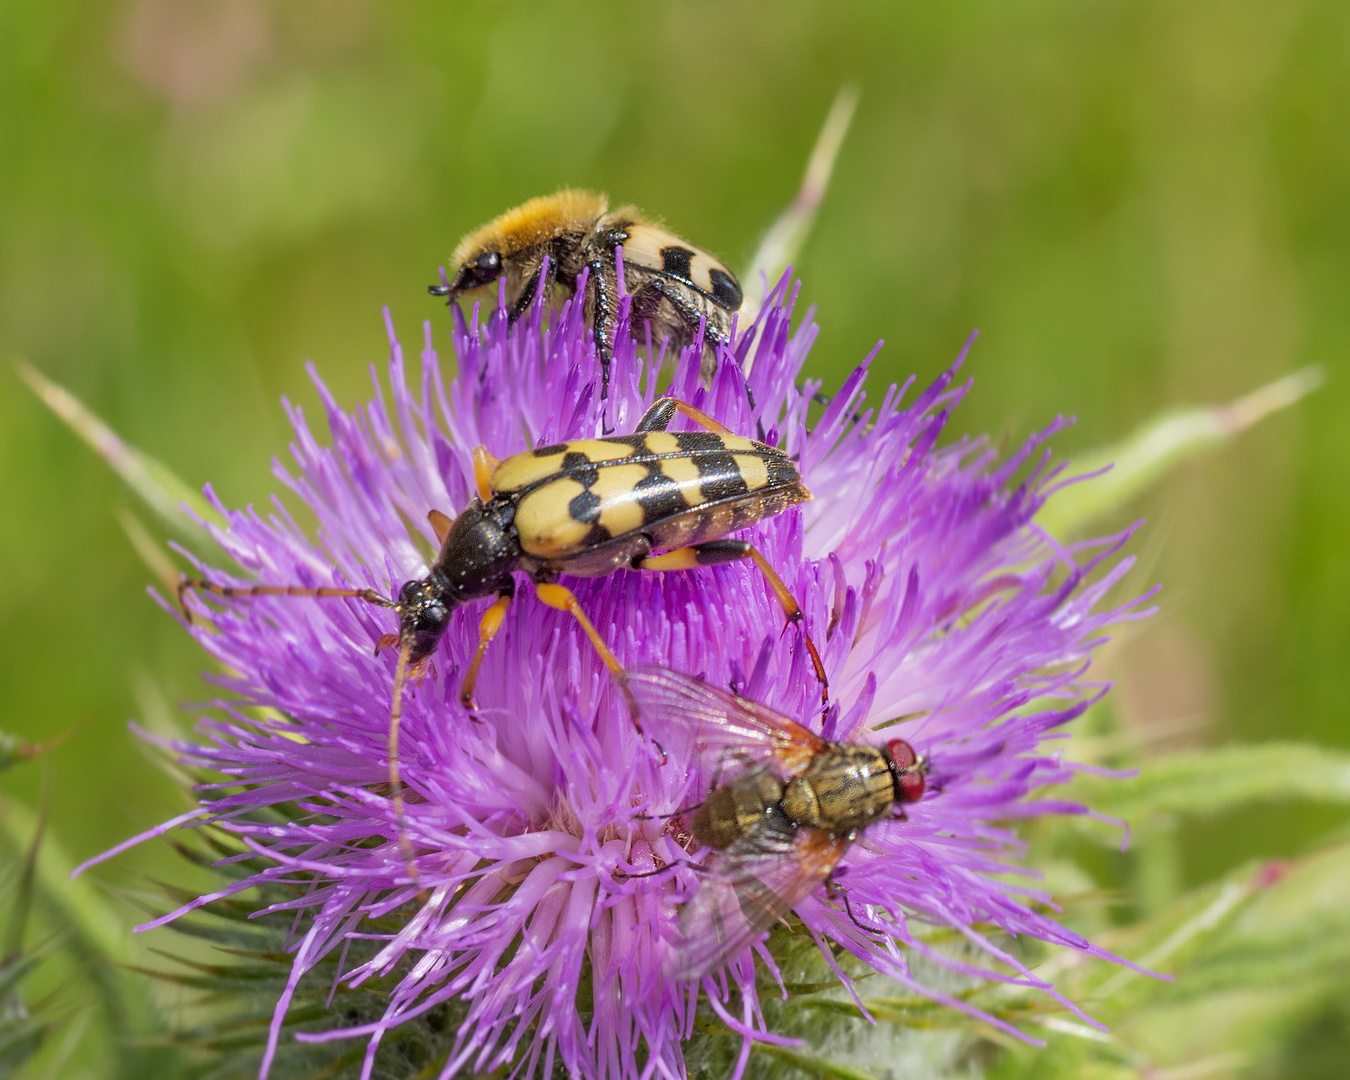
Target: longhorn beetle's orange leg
(560,597)
(483,466)
(723,551)
(663,411)
(440,524)
(232,592)
(487,630)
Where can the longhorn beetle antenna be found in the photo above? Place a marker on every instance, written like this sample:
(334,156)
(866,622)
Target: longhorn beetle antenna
(395,780)
(234,592)
(400,671)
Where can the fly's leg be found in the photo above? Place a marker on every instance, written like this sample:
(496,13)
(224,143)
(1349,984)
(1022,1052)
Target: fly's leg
(667,817)
(487,630)
(724,551)
(620,875)
(836,891)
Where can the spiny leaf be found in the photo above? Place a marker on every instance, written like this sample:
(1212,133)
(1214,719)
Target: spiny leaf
(93,931)
(21,1032)
(1157,447)
(1253,954)
(1207,782)
(812,1064)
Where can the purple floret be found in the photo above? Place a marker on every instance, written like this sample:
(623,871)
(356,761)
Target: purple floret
(924,580)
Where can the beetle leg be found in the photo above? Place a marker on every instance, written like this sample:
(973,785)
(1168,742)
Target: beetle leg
(483,466)
(722,551)
(658,417)
(692,317)
(663,411)
(562,598)
(603,321)
(440,523)
(527,294)
(487,630)
(524,300)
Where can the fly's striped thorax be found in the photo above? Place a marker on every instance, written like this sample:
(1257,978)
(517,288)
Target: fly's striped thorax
(844,789)
(677,488)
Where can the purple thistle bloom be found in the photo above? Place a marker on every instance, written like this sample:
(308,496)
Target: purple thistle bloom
(923,578)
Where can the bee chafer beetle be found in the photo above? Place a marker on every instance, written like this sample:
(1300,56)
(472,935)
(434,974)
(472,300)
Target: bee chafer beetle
(673,284)
(652,500)
(782,807)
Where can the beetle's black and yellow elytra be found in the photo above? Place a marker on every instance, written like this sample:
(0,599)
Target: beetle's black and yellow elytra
(673,284)
(591,506)
(587,507)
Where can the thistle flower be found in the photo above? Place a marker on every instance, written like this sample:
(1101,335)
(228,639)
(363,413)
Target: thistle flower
(923,578)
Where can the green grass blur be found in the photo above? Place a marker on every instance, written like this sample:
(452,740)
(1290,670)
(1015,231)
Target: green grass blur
(1138,204)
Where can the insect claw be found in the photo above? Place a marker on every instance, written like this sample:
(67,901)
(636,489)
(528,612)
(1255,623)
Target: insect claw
(385,641)
(183,586)
(471,707)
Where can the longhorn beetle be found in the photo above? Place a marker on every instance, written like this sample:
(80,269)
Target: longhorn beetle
(586,507)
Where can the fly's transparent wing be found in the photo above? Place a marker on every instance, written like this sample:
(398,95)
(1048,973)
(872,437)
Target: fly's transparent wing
(749,887)
(695,721)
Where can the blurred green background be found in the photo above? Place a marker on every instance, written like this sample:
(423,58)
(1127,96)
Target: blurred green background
(1139,205)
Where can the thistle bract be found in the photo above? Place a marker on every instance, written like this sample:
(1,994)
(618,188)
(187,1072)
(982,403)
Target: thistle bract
(923,578)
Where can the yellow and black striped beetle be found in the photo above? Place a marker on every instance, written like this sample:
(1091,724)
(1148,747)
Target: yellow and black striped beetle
(586,507)
(675,286)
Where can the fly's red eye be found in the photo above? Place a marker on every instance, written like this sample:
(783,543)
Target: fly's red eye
(908,771)
(912,785)
(902,753)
